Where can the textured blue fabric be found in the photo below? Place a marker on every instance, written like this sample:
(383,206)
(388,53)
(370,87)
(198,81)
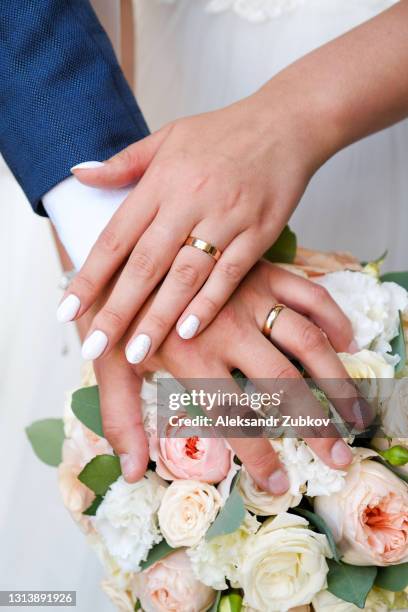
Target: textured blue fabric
(63,97)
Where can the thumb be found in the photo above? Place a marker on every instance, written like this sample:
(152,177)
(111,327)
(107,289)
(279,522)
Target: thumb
(124,167)
(119,389)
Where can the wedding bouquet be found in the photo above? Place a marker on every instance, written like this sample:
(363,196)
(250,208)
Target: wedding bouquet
(196,533)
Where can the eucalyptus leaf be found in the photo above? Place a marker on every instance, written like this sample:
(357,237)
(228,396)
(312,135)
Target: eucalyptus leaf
(398,347)
(159,551)
(231,515)
(92,508)
(46,438)
(393,577)
(100,473)
(230,603)
(401,278)
(284,249)
(321,527)
(86,407)
(214,607)
(351,583)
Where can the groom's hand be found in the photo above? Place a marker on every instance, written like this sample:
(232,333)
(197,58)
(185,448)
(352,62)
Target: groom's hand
(235,341)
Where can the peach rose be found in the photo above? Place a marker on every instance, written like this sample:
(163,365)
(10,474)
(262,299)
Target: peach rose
(171,585)
(369,516)
(204,459)
(317,263)
(80,446)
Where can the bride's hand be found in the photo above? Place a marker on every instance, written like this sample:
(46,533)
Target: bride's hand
(233,341)
(230,178)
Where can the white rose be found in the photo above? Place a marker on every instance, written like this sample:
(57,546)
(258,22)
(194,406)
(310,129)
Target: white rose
(219,559)
(393,409)
(121,599)
(127,519)
(307,473)
(378,600)
(372,307)
(187,510)
(262,503)
(284,564)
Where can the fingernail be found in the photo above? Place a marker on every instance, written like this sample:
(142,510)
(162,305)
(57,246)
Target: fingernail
(189,327)
(94,346)
(278,483)
(341,454)
(127,465)
(68,308)
(137,350)
(353,347)
(363,413)
(89,165)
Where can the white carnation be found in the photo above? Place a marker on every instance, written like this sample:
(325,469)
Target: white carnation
(127,519)
(307,472)
(371,306)
(217,560)
(187,510)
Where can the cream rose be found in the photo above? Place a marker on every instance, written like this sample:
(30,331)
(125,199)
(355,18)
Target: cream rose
(366,364)
(219,559)
(393,409)
(190,458)
(378,600)
(187,510)
(262,503)
(170,585)
(369,516)
(127,521)
(284,564)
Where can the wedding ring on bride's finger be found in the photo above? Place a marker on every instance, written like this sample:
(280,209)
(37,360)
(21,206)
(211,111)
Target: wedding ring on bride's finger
(271,318)
(204,246)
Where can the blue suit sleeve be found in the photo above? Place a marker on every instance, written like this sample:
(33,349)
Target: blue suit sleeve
(63,97)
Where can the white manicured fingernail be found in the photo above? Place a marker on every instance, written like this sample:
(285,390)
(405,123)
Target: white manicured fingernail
(68,308)
(94,346)
(89,165)
(137,350)
(189,327)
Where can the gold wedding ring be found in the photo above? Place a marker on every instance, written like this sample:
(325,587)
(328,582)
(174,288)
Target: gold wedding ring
(271,318)
(202,245)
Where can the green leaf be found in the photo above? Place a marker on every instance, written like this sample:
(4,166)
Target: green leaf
(401,278)
(86,407)
(373,267)
(284,249)
(159,551)
(230,603)
(214,607)
(393,578)
(398,347)
(100,473)
(46,438)
(137,606)
(231,515)
(396,455)
(91,510)
(321,527)
(351,583)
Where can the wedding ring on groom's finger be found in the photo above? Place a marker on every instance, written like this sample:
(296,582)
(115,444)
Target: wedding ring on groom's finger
(271,318)
(204,246)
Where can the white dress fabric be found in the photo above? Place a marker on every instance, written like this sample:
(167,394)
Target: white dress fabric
(192,56)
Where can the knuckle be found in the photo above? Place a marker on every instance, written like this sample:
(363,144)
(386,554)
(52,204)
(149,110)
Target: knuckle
(141,264)
(319,294)
(108,241)
(230,271)
(312,339)
(126,156)
(158,323)
(83,285)
(110,318)
(113,430)
(185,274)
(260,463)
(283,371)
